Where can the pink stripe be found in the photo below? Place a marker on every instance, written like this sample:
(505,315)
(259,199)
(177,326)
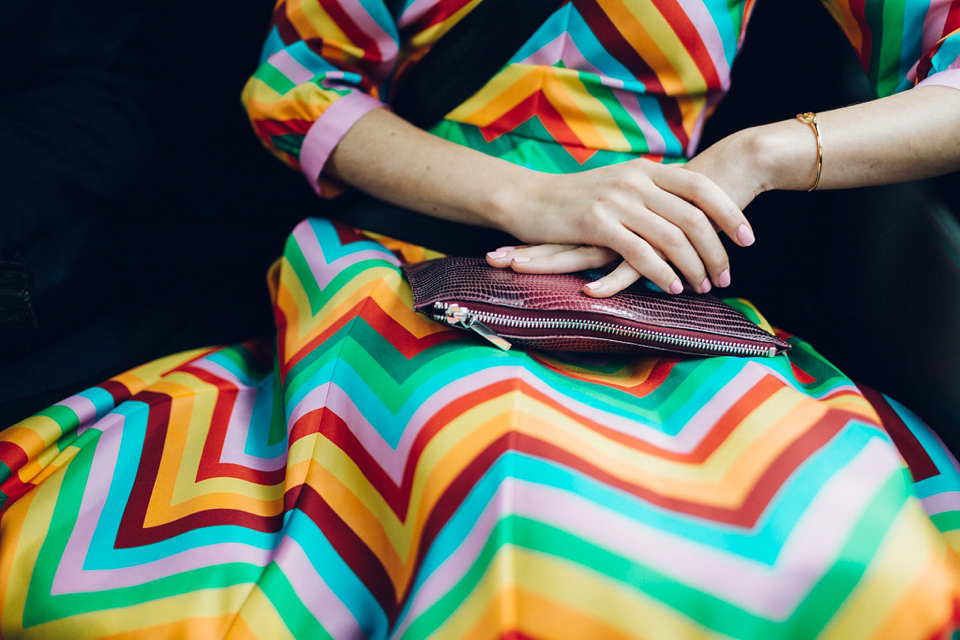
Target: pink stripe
(415,11)
(387,47)
(630,102)
(286,64)
(950,77)
(393,459)
(238,427)
(84,408)
(706,28)
(564,49)
(934,24)
(323,272)
(327,131)
(72,577)
(941,502)
(713,98)
(809,550)
(315,594)
(451,571)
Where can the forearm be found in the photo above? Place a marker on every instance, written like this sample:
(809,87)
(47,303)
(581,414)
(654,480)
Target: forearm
(391,159)
(907,136)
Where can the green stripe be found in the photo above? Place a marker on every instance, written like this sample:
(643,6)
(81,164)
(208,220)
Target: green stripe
(886,26)
(288,143)
(810,617)
(43,607)
(289,605)
(274,79)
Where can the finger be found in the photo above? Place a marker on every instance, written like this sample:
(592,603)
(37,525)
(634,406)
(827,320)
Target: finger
(615,281)
(706,196)
(575,258)
(712,265)
(645,260)
(502,256)
(670,240)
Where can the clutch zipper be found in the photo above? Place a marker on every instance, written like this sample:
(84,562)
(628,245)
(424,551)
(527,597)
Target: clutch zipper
(459,316)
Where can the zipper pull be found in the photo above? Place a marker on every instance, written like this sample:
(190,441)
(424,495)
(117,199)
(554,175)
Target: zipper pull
(457,316)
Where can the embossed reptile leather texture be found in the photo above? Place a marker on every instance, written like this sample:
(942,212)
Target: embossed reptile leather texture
(685,323)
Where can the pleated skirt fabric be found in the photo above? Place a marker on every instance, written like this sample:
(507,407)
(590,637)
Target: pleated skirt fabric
(371,473)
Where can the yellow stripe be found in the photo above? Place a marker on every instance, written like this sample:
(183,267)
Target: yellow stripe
(902,595)
(259,619)
(177,492)
(586,116)
(726,480)
(19,552)
(664,52)
(504,92)
(311,21)
(554,598)
(840,10)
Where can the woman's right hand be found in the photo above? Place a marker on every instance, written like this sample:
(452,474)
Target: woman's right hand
(649,214)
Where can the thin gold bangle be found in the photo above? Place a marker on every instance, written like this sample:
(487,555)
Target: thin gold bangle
(810,118)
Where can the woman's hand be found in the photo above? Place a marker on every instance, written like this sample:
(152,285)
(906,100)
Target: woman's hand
(653,216)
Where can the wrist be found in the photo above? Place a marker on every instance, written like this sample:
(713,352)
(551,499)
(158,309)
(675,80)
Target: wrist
(513,199)
(783,154)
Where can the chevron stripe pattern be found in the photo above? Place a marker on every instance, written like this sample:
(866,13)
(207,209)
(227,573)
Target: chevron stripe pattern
(601,81)
(374,474)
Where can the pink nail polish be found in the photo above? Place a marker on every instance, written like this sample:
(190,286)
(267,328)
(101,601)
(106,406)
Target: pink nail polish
(676,287)
(593,286)
(506,249)
(521,259)
(724,278)
(745,235)
(705,285)
(496,254)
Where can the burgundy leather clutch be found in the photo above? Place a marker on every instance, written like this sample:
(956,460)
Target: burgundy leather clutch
(551,312)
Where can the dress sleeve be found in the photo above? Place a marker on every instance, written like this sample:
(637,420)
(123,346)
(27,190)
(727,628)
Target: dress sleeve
(323,66)
(903,43)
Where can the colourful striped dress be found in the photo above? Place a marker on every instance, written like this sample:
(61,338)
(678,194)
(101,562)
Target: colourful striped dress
(370,473)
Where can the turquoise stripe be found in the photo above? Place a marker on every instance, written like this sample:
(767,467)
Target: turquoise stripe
(949,54)
(337,574)
(272,44)
(728,18)
(102,552)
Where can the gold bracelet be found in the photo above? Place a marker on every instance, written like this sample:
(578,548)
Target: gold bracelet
(810,118)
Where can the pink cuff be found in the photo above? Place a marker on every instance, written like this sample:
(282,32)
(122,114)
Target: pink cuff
(329,129)
(947,78)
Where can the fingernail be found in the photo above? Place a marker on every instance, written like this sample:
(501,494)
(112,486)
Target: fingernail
(676,287)
(745,235)
(506,249)
(521,259)
(496,254)
(593,286)
(705,285)
(724,278)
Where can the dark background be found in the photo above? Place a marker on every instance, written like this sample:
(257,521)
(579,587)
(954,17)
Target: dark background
(175,256)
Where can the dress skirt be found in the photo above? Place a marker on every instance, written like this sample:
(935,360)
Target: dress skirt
(371,473)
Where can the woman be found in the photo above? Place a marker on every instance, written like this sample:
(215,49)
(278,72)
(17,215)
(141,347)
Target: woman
(376,474)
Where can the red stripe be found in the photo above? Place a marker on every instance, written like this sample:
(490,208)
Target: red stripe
(210,465)
(911,450)
(12,489)
(349,547)
(617,44)
(536,105)
(693,45)
(858,11)
(132,531)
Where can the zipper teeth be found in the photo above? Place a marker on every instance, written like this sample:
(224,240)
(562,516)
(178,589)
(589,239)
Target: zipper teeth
(515,322)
